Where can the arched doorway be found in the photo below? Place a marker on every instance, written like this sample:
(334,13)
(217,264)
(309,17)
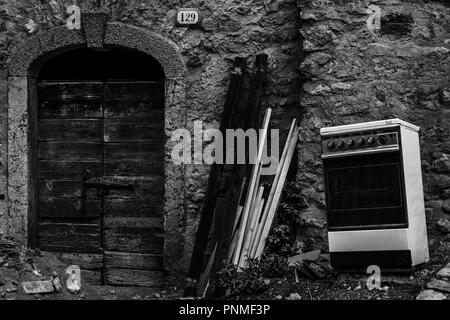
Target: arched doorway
(100,162)
(107,48)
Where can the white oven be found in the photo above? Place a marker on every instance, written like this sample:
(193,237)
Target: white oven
(374,195)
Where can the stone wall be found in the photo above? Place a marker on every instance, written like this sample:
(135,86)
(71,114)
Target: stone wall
(352,74)
(3,147)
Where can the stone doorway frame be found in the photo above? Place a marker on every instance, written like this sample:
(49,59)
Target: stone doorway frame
(97,33)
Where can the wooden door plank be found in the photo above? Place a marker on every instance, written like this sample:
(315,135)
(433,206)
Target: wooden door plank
(126,260)
(134,167)
(69,100)
(134,130)
(134,151)
(135,109)
(139,240)
(70,130)
(69,237)
(134,91)
(68,208)
(69,151)
(133,159)
(70,110)
(69,91)
(142,186)
(92,277)
(148,207)
(133,222)
(64,189)
(68,170)
(130,277)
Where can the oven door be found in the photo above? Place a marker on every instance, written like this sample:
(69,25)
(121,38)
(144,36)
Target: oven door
(365,192)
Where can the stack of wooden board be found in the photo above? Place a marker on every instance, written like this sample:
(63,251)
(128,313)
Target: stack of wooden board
(234,191)
(201,265)
(254,218)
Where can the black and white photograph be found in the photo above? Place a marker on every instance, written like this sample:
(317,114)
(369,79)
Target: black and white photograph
(229,156)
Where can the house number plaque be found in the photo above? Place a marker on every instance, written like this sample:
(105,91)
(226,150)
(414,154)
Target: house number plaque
(187,17)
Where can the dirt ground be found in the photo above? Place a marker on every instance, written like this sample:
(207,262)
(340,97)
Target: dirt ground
(18,265)
(351,286)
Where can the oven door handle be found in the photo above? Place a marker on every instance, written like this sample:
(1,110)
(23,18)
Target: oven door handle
(360,152)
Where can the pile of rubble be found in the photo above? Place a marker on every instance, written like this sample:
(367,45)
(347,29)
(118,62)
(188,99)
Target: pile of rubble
(11,262)
(19,272)
(439,288)
(34,275)
(313,265)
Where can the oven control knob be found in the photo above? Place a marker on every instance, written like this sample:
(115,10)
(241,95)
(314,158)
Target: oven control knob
(330,144)
(360,140)
(340,144)
(382,139)
(350,142)
(371,140)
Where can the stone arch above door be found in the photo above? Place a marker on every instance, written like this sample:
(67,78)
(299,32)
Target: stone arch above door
(96,35)
(24,64)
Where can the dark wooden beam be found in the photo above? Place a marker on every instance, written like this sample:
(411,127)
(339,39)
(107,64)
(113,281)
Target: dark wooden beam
(206,219)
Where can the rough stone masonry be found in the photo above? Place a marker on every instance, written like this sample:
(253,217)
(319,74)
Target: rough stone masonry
(352,74)
(325,68)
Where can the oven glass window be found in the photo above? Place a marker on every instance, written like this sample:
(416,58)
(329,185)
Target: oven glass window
(359,187)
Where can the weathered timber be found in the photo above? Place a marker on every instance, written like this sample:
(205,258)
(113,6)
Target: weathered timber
(134,91)
(101,178)
(138,240)
(206,218)
(117,109)
(130,277)
(277,194)
(64,130)
(246,116)
(133,151)
(69,151)
(70,110)
(68,208)
(134,167)
(69,91)
(254,178)
(132,222)
(149,207)
(93,277)
(74,236)
(273,189)
(133,130)
(127,260)
(67,170)
(63,189)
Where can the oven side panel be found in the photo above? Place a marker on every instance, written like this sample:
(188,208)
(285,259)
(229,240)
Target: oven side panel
(417,230)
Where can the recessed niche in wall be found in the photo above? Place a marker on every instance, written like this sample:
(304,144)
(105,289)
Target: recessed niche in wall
(396,25)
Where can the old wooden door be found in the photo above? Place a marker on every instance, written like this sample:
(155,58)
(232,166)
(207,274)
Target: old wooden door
(100,178)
